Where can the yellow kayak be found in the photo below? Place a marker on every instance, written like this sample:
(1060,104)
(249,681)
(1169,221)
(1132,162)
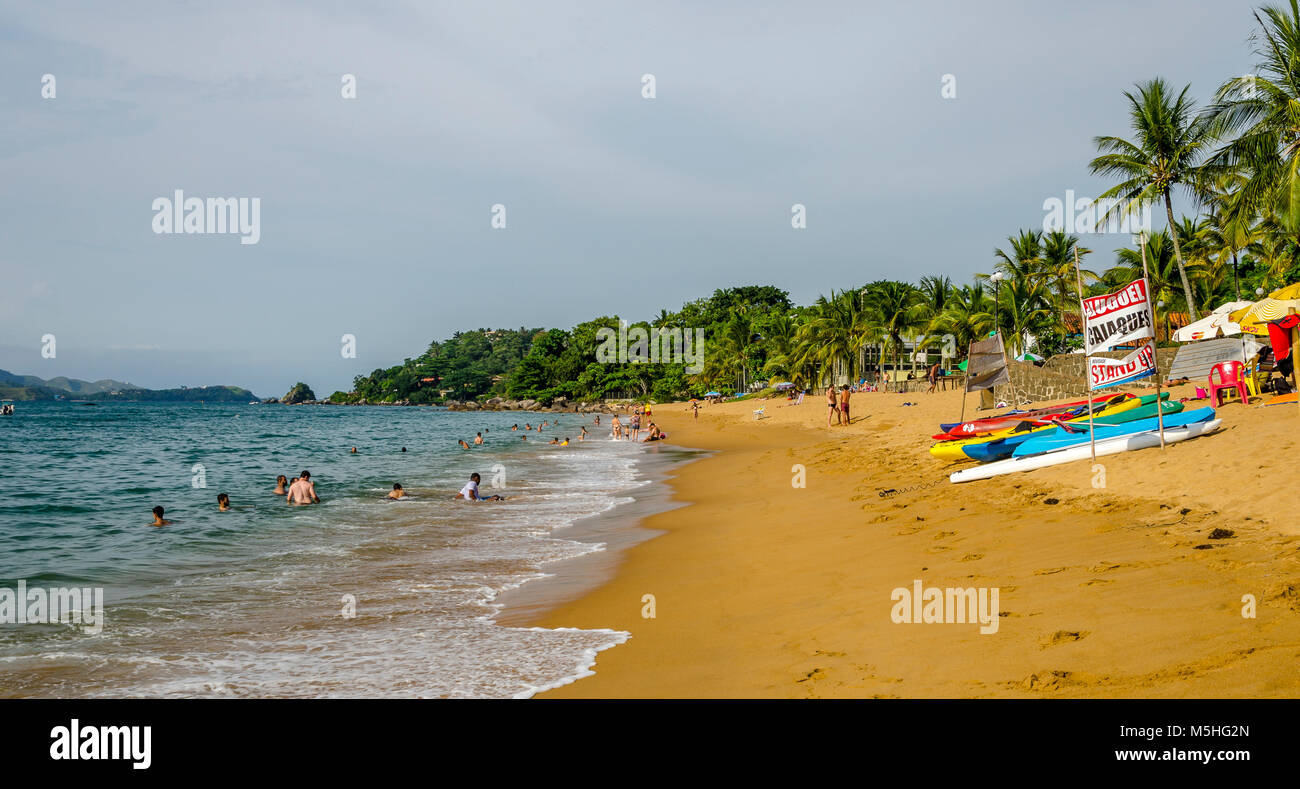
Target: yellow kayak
(952,450)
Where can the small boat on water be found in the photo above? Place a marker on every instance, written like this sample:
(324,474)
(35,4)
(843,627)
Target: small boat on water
(6,407)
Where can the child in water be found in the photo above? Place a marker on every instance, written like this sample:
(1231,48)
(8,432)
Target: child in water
(223,502)
(397,492)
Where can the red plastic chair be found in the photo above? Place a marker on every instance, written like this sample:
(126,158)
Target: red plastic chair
(1229,378)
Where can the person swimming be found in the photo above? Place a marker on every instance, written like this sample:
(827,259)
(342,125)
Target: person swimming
(354,450)
(515,426)
(158,519)
(523,438)
(302,491)
(470,491)
(280,482)
(528,425)
(565,442)
(397,492)
(403,449)
(462,443)
(223,502)
(553,441)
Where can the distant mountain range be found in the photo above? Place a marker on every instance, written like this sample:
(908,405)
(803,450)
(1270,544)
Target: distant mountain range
(30,387)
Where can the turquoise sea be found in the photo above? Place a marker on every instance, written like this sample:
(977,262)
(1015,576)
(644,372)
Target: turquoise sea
(253,602)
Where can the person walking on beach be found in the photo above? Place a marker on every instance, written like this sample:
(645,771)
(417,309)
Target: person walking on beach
(933,375)
(616,427)
(470,491)
(636,425)
(302,491)
(844,403)
(832,406)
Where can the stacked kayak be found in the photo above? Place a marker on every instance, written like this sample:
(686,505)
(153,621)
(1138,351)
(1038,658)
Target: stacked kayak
(1000,448)
(989,424)
(1063,445)
(972,448)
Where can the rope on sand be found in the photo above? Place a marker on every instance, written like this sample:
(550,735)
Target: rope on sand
(889,493)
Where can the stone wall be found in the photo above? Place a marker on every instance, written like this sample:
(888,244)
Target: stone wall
(1063,376)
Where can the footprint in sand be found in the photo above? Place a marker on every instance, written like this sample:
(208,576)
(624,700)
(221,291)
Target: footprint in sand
(1063,637)
(1095,581)
(1051,571)
(1104,567)
(944,534)
(972,557)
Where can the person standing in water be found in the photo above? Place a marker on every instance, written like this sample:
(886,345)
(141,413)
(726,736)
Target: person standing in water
(158,519)
(280,482)
(478,438)
(302,491)
(223,502)
(397,492)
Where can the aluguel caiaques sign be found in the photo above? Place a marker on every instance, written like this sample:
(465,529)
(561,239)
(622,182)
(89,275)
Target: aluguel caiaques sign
(1118,318)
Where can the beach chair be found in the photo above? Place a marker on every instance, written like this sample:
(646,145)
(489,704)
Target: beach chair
(759,413)
(1230,378)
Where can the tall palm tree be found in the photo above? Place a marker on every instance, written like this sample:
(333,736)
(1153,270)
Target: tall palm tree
(1257,116)
(893,314)
(1164,273)
(1168,151)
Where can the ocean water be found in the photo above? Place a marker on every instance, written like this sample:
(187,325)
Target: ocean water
(253,602)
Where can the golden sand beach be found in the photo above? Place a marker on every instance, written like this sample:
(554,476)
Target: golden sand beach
(764,589)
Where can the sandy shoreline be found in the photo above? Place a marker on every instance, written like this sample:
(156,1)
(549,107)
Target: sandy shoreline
(763,589)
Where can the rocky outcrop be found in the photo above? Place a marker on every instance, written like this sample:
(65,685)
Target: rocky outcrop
(300,393)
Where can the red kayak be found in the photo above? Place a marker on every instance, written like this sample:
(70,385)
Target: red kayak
(989,424)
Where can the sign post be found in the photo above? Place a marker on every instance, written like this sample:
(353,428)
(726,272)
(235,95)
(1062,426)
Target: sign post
(1160,405)
(1087,367)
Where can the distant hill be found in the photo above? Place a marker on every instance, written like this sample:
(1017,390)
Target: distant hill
(63,384)
(30,387)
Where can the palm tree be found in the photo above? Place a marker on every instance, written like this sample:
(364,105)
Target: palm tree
(1057,269)
(967,316)
(1169,145)
(1025,257)
(893,314)
(1257,116)
(834,331)
(1162,268)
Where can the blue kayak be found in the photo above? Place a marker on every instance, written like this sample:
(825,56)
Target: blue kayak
(1061,438)
(1002,448)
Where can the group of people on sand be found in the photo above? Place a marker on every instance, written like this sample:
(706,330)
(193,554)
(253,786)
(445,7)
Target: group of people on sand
(837,402)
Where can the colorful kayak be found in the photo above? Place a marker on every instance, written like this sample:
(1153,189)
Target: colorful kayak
(1060,438)
(1010,419)
(1001,448)
(955,449)
(1110,446)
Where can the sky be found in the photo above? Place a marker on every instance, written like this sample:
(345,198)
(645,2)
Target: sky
(376,212)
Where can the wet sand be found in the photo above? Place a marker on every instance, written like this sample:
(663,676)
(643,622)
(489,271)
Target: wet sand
(1108,587)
